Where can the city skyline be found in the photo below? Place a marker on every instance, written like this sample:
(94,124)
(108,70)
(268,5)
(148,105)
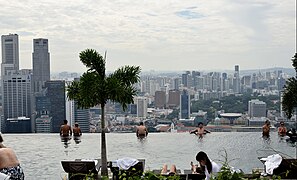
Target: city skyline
(154,35)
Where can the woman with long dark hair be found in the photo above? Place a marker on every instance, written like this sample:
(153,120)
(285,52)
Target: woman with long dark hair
(208,166)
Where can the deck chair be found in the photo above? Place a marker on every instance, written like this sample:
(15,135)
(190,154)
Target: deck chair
(135,170)
(79,168)
(191,176)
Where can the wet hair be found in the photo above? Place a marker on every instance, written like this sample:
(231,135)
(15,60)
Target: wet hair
(267,122)
(200,123)
(1,139)
(141,123)
(203,156)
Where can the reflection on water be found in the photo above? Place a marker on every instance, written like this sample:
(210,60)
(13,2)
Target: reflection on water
(41,154)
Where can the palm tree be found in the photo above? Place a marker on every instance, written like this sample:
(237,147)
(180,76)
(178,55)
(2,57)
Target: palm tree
(290,92)
(97,88)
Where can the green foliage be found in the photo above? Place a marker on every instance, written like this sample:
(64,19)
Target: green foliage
(226,172)
(290,92)
(96,88)
(148,175)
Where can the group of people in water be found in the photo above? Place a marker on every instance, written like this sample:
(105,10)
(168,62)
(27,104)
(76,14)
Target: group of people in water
(66,133)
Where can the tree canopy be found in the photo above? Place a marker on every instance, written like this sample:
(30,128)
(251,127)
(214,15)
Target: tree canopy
(290,92)
(95,87)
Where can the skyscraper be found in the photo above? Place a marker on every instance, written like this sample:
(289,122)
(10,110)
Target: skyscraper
(10,53)
(41,63)
(57,106)
(184,105)
(236,80)
(17,101)
(160,99)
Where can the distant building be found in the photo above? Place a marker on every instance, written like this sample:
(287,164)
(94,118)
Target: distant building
(236,80)
(184,105)
(41,63)
(173,98)
(17,101)
(10,53)
(57,108)
(82,117)
(43,124)
(160,99)
(256,108)
(141,103)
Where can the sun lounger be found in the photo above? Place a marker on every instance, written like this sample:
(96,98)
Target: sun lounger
(191,176)
(79,168)
(135,170)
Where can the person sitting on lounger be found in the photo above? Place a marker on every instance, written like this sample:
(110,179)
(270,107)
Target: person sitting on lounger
(208,166)
(171,172)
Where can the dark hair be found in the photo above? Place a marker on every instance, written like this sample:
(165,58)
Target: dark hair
(203,156)
(200,123)
(141,123)
(1,139)
(267,122)
(65,121)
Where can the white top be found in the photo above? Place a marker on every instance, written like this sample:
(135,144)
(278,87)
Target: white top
(215,169)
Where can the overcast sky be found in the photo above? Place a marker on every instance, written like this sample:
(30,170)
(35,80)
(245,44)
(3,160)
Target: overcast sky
(156,34)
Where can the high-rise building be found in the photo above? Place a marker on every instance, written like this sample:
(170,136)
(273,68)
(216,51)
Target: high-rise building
(141,103)
(55,93)
(160,99)
(236,80)
(184,105)
(10,53)
(173,98)
(82,117)
(257,108)
(41,63)
(17,101)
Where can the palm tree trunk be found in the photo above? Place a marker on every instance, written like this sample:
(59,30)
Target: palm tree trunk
(104,171)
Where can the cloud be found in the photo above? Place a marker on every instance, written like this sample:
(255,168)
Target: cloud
(181,34)
(187,14)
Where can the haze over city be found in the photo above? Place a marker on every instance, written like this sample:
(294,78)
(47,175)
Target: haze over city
(156,35)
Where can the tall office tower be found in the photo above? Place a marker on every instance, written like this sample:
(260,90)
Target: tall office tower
(177,83)
(41,63)
(236,80)
(10,53)
(43,120)
(160,99)
(184,105)
(141,103)
(57,108)
(82,117)
(199,85)
(17,101)
(256,108)
(187,79)
(174,98)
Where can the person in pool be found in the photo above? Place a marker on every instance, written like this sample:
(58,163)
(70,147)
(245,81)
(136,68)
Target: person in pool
(141,131)
(266,129)
(76,130)
(282,130)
